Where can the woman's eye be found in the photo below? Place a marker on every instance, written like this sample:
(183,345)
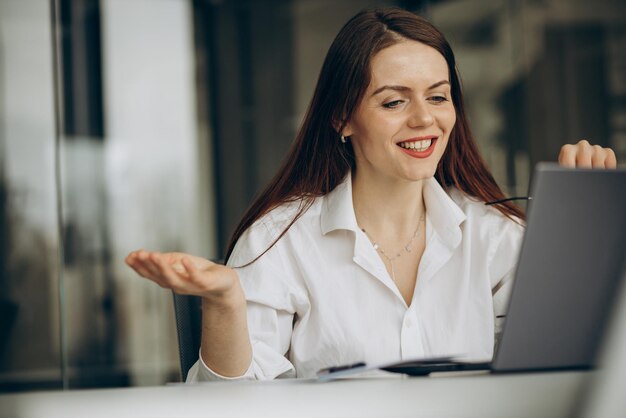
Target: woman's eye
(392,104)
(438,99)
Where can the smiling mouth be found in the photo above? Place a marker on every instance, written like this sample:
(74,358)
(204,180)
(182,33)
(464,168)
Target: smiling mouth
(419,146)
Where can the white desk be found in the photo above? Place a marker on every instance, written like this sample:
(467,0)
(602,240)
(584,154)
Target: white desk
(522,395)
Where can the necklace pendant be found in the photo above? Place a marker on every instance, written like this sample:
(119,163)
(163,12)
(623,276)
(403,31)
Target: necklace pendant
(407,248)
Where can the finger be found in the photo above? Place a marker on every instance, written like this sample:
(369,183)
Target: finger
(140,270)
(141,261)
(598,157)
(131,257)
(611,159)
(145,258)
(146,274)
(169,277)
(178,268)
(189,267)
(133,262)
(584,152)
(191,270)
(199,276)
(567,156)
(173,259)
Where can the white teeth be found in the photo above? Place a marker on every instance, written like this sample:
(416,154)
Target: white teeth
(419,146)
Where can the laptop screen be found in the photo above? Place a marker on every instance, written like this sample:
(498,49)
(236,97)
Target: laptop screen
(569,269)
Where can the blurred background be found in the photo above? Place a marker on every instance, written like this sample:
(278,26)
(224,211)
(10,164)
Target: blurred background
(129,124)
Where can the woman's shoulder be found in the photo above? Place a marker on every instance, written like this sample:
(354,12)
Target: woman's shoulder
(280,217)
(263,235)
(486,217)
(499,236)
(284,214)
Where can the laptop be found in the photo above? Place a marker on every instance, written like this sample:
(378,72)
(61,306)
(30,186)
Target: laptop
(569,270)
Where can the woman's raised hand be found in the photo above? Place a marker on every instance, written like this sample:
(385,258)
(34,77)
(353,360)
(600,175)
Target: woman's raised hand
(585,155)
(225,345)
(187,274)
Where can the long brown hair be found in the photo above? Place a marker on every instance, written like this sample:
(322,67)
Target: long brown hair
(317,161)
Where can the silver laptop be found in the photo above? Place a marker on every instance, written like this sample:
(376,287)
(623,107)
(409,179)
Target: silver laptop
(569,269)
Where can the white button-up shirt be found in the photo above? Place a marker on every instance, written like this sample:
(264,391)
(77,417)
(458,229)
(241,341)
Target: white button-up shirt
(322,296)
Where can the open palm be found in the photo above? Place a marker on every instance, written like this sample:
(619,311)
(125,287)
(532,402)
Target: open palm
(184,273)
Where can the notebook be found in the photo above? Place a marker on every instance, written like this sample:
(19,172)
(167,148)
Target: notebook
(569,269)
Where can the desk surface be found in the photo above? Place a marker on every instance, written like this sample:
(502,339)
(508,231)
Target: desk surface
(534,394)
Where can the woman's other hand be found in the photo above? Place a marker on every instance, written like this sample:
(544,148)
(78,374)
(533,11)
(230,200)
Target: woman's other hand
(187,274)
(225,346)
(585,155)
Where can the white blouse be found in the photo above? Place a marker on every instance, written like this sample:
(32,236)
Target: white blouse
(322,297)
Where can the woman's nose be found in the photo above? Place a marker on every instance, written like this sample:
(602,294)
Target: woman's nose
(420,116)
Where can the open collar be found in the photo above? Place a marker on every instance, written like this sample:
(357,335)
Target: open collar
(443,213)
(337,208)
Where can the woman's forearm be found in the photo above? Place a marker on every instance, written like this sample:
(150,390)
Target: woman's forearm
(226,348)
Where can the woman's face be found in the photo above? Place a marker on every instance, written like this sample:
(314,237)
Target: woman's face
(401,128)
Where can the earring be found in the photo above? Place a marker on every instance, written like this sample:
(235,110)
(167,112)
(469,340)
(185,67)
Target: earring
(343,139)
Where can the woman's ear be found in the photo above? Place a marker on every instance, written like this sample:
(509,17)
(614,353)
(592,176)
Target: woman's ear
(343,128)
(347,130)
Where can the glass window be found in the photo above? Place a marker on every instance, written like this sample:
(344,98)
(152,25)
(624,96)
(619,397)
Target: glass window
(129,124)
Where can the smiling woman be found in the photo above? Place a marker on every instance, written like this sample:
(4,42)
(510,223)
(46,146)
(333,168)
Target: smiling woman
(386,148)
(399,132)
(408,103)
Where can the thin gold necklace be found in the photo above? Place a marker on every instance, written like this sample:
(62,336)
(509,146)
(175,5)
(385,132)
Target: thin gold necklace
(407,248)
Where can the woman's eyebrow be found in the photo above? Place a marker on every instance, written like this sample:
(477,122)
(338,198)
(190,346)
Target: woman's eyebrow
(395,88)
(405,88)
(437,84)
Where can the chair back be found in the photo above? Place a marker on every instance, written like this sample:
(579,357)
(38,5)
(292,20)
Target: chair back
(188,312)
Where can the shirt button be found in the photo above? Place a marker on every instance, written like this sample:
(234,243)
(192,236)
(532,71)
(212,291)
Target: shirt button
(408,322)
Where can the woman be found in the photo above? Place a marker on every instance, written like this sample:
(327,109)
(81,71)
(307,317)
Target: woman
(373,242)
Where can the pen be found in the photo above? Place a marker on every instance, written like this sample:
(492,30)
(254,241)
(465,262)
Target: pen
(335,369)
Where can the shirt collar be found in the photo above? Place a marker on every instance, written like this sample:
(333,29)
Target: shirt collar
(442,212)
(337,209)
